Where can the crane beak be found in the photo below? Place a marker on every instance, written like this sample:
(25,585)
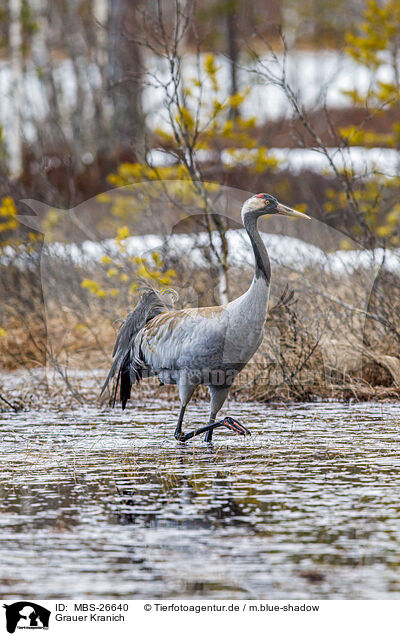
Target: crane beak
(283,209)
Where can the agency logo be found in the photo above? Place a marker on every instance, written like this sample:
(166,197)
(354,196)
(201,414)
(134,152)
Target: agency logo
(26,615)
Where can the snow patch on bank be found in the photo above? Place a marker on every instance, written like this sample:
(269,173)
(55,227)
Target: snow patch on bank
(283,250)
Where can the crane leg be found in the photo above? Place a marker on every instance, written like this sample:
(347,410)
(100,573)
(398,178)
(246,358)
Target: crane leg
(218,396)
(178,430)
(185,393)
(209,433)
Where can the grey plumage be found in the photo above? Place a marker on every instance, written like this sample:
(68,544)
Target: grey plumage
(151,304)
(208,345)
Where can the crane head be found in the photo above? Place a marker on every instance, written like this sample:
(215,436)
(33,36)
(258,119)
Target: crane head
(261,204)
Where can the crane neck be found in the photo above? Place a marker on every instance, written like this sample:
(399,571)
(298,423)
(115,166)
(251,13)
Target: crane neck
(262,266)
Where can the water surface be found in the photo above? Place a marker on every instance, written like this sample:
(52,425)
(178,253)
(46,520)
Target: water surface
(96,503)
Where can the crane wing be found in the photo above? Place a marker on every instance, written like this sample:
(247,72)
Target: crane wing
(151,304)
(185,339)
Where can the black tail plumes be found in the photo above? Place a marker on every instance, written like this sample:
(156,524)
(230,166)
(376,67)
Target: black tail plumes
(151,304)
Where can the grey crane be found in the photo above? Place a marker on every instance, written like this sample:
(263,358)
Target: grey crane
(206,345)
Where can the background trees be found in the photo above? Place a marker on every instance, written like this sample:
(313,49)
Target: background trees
(196,101)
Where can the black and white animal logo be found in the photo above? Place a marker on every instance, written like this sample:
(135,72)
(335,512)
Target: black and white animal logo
(26,615)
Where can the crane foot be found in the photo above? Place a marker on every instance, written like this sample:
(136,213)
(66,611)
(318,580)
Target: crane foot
(236,426)
(228,422)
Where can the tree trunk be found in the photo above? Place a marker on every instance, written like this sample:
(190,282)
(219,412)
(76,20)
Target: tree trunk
(233,50)
(125,78)
(51,135)
(101,16)
(15,132)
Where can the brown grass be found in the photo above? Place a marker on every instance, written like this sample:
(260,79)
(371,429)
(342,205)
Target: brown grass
(314,347)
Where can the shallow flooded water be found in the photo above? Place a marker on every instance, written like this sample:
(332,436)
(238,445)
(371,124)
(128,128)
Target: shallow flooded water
(108,505)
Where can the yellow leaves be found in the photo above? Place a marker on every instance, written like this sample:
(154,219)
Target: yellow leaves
(387,91)
(211,69)
(187,92)
(9,212)
(80,326)
(393,217)
(236,131)
(217,107)
(138,267)
(351,134)
(356,136)
(165,136)
(378,32)
(301,207)
(210,66)
(355,97)
(122,235)
(116,180)
(157,259)
(129,170)
(384,231)
(329,207)
(3,332)
(9,225)
(346,244)
(129,173)
(374,44)
(185,119)
(263,161)
(236,100)
(396,132)
(143,272)
(227,129)
(201,119)
(246,124)
(7,207)
(93,288)
(258,160)
(166,279)
(50,222)
(205,124)
(104,197)
(364,49)
(373,200)
(136,172)
(390,228)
